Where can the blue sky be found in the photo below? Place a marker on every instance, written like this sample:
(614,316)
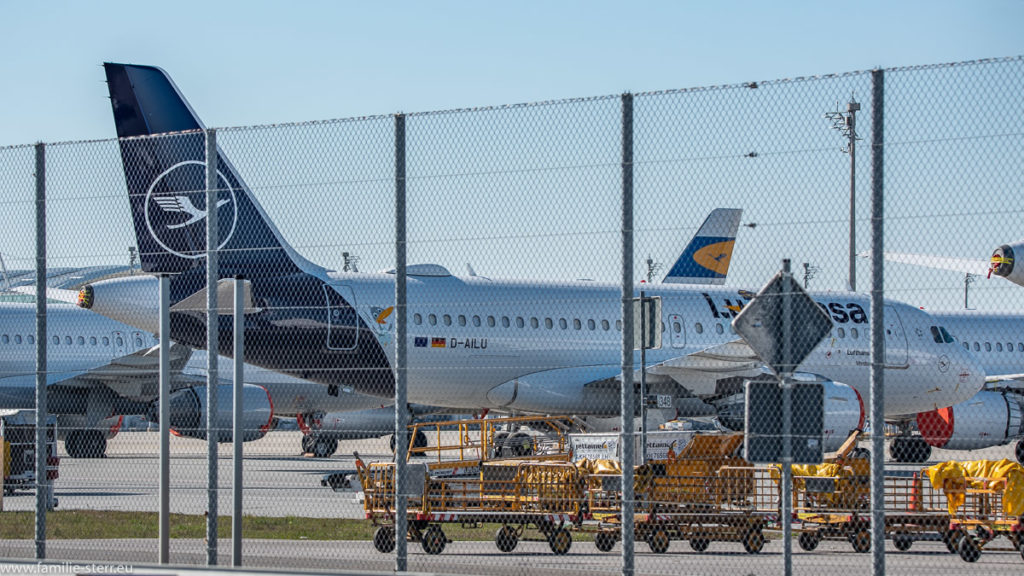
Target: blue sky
(259,62)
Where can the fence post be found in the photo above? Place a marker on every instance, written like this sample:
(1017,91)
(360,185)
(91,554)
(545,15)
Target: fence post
(212,346)
(42,502)
(877,325)
(628,457)
(401,380)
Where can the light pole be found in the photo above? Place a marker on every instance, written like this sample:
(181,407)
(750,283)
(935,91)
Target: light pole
(846,124)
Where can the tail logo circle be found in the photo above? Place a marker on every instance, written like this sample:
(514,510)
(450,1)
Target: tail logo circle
(172,217)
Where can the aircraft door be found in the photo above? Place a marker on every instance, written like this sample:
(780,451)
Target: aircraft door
(895,339)
(677,329)
(342,320)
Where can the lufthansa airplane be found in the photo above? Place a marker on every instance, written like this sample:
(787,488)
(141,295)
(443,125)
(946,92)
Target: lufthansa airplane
(474,343)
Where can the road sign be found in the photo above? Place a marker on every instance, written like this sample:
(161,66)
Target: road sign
(763,431)
(782,324)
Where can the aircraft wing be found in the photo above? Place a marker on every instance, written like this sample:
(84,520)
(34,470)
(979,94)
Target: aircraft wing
(963,265)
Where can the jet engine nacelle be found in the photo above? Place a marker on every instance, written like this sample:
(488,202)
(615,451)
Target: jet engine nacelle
(188,412)
(1002,262)
(132,300)
(358,424)
(990,418)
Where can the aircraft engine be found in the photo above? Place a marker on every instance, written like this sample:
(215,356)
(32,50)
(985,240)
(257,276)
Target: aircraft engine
(188,412)
(990,418)
(1002,263)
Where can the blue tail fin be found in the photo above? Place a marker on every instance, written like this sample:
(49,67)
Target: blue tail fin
(166,178)
(706,258)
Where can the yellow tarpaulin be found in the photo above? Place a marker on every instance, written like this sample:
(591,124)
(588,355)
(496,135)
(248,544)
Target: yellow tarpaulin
(956,478)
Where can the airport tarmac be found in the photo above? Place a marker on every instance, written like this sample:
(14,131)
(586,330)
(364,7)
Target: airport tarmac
(281,482)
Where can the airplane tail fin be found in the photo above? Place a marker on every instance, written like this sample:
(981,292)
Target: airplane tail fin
(706,258)
(166,180)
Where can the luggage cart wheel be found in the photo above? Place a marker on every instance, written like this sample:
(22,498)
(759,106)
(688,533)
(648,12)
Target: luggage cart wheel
(433,540)
(951,539)
(506,538)
(384,539)
(604,541)
(969,549)
(560,541)
(861,540)
(809,540)
(902,541)
(699,542)
(753,540)
(658,541)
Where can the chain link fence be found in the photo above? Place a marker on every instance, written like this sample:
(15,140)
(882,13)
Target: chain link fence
(506,333)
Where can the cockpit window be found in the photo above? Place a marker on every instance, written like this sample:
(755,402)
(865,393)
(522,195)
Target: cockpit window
(945,335)
(940,335)
(936,335)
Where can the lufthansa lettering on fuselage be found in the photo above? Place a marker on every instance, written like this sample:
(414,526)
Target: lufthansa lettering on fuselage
(840,312)
(470,343)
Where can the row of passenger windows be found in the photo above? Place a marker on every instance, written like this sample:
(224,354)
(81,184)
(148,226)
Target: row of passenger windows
(977,346)
(68,340)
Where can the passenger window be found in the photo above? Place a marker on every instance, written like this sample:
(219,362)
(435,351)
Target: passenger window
(1009,346)
(476,321)
(81,341)
(988,347)
(432,319)
(698,328)
(577,324)
(841,332)
(854,333)
(67,340)
(618,325)
(999,346)
(505,322)
(562,323)
(417,319)
(605,325)
(462,319)
(548,323)
(977,347)
(447,320)
(490,321)
(56,340)
(31,339)
(718,328)
(92,340)
(17,338)
(534,323)
(6,339)
(591,325)
(106,341)
(1020,346)
(520,322)
(677,327)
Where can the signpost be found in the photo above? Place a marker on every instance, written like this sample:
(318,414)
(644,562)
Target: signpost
(646,334)
(782,325)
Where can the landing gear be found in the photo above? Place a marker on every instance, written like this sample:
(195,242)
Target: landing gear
(417,441)
(86,444)
(909,449)
(324,447)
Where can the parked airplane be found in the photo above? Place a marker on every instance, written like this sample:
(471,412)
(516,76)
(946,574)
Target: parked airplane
(473,343)
(99,369)
(1001,263)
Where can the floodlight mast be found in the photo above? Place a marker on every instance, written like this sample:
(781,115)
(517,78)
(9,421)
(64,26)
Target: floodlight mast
(846,124)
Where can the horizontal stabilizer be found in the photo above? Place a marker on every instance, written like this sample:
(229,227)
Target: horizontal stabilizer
(225,299)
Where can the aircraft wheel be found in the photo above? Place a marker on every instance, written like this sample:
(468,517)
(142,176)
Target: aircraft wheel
(86,444)
(560,541)
(1020,451)
(809,540)
(951,539)
(969,549)
(307,443)
(324,447)
(604,541)
(73,444)
(917,450)
(658,541)
(384,539)
(898,449)
(506,538)
(902,541)
(433,540)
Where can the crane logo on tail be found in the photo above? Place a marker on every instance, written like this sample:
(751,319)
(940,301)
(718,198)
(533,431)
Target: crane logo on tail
(173,217)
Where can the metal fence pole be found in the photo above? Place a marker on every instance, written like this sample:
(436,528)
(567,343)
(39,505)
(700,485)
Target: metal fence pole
(237,434)
(627,406)
(786,383)
(165,420)
(877,325)
(41,407)
(212,346)
(401,376)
